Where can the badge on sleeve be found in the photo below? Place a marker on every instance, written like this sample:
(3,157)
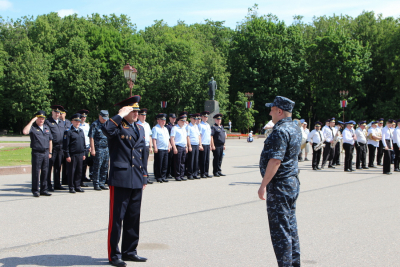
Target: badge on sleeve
(65,136)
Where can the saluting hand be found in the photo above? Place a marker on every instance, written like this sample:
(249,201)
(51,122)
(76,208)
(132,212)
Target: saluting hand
(125,111)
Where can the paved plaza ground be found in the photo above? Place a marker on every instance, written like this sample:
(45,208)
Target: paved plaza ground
(344,219)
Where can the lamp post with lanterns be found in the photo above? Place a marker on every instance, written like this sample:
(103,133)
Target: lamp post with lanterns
(343,102)
(130,74)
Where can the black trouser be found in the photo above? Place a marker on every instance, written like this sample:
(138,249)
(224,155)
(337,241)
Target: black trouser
(124,211)
(361,159)
(55,163)
(371,152)
(336,158)
(145,160)
(204,160)
(329,152)
(160,164)
(348,156)
(217,161)
(387,157)
(316,156)
(84,165)
(64,179)
(397,156)
(170,168)
(179,162)
(75,170)
(192,163)
(380,153)
(40,167)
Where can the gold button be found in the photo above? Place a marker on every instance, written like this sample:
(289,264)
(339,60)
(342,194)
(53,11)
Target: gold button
(133,165)
(140,150)
(140,166)
(140,158)
(133,149)
(133,157)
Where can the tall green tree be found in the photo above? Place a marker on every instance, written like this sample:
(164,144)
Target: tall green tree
(243,116)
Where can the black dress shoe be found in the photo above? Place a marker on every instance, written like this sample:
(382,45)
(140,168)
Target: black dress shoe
(318,169)
(221,174)
(169,176)
(84,185)
(50,189)
(165,180)
(209,176)
(36,194)
(387,173)
(159,180)
(330,166)
(203,176)
(196,177)
(72,191)
(178,179)
(133,258)
(338,164)
(397,170)
(366,168)
(80,190)
(359,168)
(190,178)
(45,193)
(59,187)
(379,164)
(97,188)
(149,182)
(216,175)
(353,170)
(348,170)
(184,179)
(119,263)
(86,180)
(373,166)
(314,169)
(104,187)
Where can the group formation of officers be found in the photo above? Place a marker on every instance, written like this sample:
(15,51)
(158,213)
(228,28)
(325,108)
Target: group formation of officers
(375,140)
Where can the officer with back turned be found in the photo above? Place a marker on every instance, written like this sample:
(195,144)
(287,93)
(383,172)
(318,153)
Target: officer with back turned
(99,152)
(279,169)
(218,135)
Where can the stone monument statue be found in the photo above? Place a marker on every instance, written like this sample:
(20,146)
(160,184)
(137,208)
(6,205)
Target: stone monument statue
(212,86)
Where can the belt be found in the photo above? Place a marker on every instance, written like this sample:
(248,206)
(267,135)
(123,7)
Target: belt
(40,151)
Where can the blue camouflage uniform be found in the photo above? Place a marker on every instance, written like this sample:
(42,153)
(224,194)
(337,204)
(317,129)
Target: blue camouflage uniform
(282,191)
(100,161)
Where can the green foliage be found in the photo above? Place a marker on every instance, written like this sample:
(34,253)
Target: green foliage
(244,119)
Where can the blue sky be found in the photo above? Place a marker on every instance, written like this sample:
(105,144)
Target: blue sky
(143,13)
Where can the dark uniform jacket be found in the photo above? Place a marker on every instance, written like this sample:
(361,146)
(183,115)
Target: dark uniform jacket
(126,153)
(218,135)
(74,141)
(99,139)
(40,139)
(57,130)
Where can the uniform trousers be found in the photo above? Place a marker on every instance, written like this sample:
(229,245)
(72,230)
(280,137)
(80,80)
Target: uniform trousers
(125,206)
(336,158)
(179,162)
(146,159)
(217,160)
(170,169)
(192,163)
(387,157)
(281,207)
(40,167)
(64,174)
(361,159)
(397,156)
(316,156)
(348,156)
(380,153)
(55,164)
(84,165)
(329,152)
(160,164)
(75,170)
(204,160)
(100,166)
(371,157)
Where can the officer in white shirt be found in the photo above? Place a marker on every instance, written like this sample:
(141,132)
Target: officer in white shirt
(161,145)
(329,150)
(149,142)
(387,141)
(373,137)
(381,146)
(207,142)
(314,138)
(305,132)
(396,146)
(361,133)
(339,128)
(85,127)
(349,138)
(179,142)
(194,143)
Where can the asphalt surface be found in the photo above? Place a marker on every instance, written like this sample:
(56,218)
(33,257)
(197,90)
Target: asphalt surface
(344,219)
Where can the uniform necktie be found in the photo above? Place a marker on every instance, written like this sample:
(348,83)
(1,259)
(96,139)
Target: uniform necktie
(320,136)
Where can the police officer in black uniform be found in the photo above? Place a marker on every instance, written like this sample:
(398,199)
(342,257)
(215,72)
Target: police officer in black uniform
(127,179)
(218,135)
(57,129)
(41,144)
(169,125)
(74,152)
(67,124)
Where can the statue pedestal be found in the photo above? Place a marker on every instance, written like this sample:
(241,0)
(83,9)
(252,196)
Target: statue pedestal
(213,107)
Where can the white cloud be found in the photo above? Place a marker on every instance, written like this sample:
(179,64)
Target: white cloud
(5,4)
(66,12)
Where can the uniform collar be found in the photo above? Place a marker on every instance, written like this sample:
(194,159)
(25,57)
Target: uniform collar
(287,119)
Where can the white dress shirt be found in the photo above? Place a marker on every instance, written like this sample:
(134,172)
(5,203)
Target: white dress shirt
(387,134)
(373,132)
(329,133)
(348,136)
(360,133)
(205,133)
(316,137)
(193,133)
(162,137)
(396,136)
(180,135)
(269,124)
(147,131)
(85,127)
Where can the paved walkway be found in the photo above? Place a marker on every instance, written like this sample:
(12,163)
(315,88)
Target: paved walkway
(345,219)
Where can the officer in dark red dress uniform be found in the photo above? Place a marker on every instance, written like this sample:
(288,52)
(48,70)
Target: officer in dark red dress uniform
(127,179)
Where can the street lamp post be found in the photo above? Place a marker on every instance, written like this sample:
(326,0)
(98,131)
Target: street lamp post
(344,94)
(130,74)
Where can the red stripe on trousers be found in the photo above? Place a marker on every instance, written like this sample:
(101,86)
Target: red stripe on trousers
(110,221)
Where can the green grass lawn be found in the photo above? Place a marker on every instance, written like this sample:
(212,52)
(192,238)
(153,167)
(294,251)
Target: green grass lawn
(14,156)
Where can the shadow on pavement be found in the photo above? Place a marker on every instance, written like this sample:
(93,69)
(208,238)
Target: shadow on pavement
(248,166)
(244,183)
(53,260)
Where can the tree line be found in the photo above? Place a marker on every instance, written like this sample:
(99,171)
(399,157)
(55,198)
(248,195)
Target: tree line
(77,62)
